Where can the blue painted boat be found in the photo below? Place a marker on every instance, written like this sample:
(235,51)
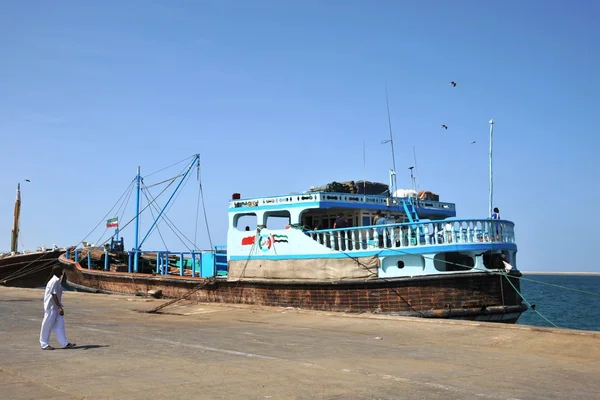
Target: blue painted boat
(338,248)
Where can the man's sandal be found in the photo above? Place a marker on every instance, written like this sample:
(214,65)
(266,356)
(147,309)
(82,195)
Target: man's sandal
(69,346)
(48,348)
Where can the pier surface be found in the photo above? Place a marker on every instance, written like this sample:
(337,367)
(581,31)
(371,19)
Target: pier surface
(215,351)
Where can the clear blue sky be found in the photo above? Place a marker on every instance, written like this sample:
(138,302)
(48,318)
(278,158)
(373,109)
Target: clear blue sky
(277,96)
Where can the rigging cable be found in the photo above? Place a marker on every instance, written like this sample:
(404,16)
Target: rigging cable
(107,214)
(172,224)
(157,228)
(172,165)
(197,205)
(141,211)
(204,208)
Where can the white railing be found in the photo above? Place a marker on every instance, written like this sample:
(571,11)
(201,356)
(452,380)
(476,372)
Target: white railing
(333,197)
(418,234)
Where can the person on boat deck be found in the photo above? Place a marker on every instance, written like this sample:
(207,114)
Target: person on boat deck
(496,215)
(53,312)
(340,222)
(397,231)
(353,187)
(247,228)
(381,231)
(448,228)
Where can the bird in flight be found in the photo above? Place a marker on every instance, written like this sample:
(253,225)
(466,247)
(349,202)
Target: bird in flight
(453,84)
(445,126)
(27,180)
(473,142)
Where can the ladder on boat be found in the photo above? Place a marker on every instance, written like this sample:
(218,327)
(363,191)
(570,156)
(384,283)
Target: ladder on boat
(410,210)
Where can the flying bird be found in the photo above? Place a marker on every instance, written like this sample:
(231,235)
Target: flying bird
(27,180)
(445,126)
(453,84)
(473,142)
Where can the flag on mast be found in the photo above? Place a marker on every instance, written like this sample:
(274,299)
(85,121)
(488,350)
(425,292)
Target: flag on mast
(112,223)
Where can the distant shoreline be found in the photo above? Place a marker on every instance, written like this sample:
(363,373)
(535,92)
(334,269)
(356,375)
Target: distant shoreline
(558,273)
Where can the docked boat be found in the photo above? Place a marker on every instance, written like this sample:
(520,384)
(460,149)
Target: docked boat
(28,269)
(348,247)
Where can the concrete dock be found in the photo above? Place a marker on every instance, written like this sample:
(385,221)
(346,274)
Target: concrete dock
(215,351)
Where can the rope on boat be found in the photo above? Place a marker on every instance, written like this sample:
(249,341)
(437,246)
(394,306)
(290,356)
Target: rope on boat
(203,210)
(486,270)
(132,219)
(560,286)
(502,274)
(108,213)
(208,281)
(169,223)
(172,165)
(24,271)
(157,228)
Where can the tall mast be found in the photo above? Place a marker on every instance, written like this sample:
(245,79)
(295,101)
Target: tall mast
(15,231)
(491,175)
(136,237)
(387,101)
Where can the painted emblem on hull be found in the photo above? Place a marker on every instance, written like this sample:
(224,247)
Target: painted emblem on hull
(265,242)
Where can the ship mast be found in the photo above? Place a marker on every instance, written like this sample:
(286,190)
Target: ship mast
(15,232)
(491,186)
(393,181)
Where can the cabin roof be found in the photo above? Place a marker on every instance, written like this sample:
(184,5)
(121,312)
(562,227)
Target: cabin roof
(325,200)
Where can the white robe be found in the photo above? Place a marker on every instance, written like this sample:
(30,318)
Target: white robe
(52,320)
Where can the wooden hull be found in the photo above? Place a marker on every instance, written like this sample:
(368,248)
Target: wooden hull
(30,270)
(474,296)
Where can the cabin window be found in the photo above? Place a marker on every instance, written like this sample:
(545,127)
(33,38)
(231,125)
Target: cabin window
(277,219)
(453,261)
(405,262)
(245,222)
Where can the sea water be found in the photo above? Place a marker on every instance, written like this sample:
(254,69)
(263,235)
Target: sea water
(566,308)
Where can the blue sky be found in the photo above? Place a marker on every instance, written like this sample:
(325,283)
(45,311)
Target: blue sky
(278,96)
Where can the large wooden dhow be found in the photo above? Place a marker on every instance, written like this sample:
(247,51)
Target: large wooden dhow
(329,254)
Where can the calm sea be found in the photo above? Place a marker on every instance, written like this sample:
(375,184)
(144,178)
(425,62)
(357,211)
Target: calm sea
(566,308)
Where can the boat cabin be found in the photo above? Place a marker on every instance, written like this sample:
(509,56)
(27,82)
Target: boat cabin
(319,210)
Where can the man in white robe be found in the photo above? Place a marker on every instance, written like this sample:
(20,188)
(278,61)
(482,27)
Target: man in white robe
(53,312)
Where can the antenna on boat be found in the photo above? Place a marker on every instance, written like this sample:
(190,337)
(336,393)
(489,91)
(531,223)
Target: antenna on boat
(391,141)
(491,176)
(364,168)
(416,170)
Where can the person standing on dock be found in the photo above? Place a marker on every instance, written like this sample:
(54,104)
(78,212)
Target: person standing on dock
(53,312)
